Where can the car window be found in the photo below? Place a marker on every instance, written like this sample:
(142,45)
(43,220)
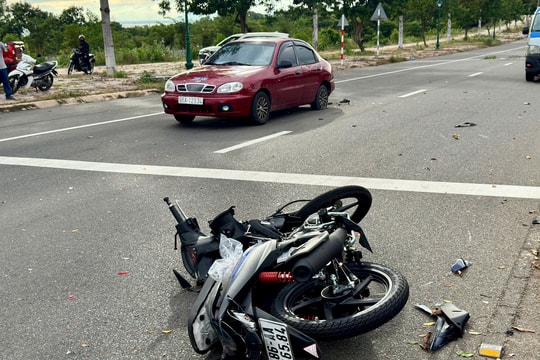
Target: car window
(305,55)
(536,25)
(286,53)
(244,53)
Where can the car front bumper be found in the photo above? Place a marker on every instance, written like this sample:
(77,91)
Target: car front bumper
(228,105)
(532,64)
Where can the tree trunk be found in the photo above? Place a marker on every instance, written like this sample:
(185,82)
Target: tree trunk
(315,35)
(110,60)
(358,28)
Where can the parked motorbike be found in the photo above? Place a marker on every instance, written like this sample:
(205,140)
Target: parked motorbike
(272,288)
(76,63)
(27,74)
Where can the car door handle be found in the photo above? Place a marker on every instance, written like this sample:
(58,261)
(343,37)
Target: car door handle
(298,72)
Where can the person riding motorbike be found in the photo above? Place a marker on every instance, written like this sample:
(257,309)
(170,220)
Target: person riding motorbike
(84,47)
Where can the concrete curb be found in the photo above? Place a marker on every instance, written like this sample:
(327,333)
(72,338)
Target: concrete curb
(42,104)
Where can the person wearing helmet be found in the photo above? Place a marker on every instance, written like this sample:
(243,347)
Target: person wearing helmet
(85,50)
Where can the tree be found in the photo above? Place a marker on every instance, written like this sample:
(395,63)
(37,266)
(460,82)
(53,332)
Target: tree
(238,8)
(424,11)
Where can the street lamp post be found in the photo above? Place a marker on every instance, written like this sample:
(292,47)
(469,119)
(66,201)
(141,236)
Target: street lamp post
(439,4)
(189,62)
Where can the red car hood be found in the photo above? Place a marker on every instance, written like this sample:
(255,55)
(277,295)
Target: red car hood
(212,74)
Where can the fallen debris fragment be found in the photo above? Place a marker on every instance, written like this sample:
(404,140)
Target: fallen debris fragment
(460,265)
(522,329)
(449,326)
(492,351)
(465,124)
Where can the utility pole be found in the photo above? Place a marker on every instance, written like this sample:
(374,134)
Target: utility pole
(110,60)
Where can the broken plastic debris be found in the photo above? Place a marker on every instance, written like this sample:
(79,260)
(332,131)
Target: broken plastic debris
(459,265)
(492,351)
(449,326)
(465,124)
(123,272)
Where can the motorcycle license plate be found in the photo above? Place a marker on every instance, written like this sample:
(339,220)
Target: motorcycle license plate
(276,340)
(191,100)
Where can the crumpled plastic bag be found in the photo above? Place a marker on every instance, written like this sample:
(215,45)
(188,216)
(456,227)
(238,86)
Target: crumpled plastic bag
(230,250)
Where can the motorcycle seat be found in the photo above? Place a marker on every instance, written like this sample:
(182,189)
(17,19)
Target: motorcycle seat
(44,66)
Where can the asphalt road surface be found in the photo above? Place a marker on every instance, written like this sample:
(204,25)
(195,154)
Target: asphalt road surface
(87,242)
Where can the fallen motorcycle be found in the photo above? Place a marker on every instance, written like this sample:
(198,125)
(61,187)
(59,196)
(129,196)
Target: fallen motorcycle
(272,288)
(27,74)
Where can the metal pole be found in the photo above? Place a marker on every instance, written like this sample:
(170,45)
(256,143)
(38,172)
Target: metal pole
(438,45)
(342,36)
(189,60)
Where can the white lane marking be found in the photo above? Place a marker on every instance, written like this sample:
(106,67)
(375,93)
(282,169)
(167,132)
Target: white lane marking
(413,93)
(79,127)
(508,64)
(426,66)
(251,142)
(497,190)
(476,74)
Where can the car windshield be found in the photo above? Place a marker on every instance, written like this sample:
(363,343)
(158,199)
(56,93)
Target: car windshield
(243,53)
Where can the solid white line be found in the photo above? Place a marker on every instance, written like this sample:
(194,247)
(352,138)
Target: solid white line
(251,142)
(476,74)
(79,127)
(511,191)
(413,93)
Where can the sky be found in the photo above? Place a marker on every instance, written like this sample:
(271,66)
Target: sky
(122,11)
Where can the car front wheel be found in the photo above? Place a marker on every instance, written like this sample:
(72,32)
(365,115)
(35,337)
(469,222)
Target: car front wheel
(260,108)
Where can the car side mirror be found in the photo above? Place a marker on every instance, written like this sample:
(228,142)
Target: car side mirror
(283,64)
(525,30)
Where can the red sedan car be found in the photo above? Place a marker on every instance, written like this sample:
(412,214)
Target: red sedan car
(250,78)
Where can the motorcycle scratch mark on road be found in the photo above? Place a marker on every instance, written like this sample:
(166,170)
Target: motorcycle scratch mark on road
(496,190)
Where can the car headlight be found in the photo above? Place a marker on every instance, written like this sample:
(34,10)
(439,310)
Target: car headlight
(230,87)
(533,49)
(169,86)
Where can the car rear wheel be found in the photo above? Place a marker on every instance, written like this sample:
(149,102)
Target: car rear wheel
(529,76)
(321,99)
(184,119)
(260,108)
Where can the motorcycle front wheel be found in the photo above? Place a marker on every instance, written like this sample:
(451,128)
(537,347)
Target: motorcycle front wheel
(310,307)
(71,66)
(46,83)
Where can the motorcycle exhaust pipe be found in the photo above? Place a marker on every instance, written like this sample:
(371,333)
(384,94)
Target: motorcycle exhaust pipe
(308,266)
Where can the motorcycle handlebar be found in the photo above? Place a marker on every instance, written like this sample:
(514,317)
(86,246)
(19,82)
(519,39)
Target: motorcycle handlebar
(178,214)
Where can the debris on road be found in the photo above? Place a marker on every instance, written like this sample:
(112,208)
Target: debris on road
(460,265)
(449,326)
(492,351)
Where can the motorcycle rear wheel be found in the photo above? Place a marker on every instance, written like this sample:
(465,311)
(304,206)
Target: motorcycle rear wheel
(381,294)
(46,83)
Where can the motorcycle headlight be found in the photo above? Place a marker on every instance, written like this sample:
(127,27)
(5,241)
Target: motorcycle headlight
(533,49)
(231,87)
(169,86)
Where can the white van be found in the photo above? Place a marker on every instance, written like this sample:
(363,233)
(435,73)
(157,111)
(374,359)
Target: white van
(532,60)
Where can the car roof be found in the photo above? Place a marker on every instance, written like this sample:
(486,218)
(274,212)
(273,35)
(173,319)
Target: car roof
(264,34)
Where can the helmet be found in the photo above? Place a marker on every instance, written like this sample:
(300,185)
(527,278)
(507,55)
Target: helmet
(81,37)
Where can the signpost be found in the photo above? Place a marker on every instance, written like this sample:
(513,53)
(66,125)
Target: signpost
(343,22)
(378,15)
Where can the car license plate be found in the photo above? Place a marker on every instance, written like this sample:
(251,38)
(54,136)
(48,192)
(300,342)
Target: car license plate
(276,340)
(191,100)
